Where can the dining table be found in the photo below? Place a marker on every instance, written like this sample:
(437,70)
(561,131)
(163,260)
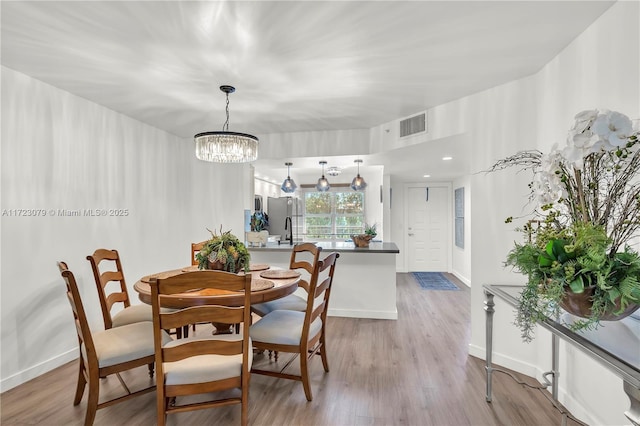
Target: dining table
(267,283)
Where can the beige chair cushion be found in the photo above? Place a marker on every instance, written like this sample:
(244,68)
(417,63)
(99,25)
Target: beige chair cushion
(125,343)
(292,302)
(135,313)
(282,328)
(205,368)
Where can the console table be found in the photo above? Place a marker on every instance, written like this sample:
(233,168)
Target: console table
(617,346)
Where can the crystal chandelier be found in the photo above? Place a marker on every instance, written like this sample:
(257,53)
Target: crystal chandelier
(226,146)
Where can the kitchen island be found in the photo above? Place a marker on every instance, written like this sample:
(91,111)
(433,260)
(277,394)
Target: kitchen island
(364,284)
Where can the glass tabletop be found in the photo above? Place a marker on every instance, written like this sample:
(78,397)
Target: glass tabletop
(615,342)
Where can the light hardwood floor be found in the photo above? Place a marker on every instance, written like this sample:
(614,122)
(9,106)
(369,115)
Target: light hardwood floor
(413,371)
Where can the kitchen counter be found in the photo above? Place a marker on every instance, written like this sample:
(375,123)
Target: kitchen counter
(339,246)
(364,284)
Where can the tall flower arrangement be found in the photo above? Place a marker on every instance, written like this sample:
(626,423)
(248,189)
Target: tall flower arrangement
(587,208)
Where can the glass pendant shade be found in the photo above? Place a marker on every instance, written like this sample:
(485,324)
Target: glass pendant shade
(226,146)
(323,183)
(288,185)
(358,183)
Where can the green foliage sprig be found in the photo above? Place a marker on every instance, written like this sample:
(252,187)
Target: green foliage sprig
(572,259)
(371,230)
(225,248)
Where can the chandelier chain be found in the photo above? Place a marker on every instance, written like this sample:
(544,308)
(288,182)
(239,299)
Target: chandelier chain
(226,123)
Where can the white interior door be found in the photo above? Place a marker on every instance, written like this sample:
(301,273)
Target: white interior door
(427,229)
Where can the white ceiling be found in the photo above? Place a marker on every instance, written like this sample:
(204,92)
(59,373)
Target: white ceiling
(296,65)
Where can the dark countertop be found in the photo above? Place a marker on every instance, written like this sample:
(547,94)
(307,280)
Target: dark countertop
(339,246)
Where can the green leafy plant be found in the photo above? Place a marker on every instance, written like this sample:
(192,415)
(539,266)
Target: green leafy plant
(370,230)
(572,260)
(259,221)
(588,207)
(226,249)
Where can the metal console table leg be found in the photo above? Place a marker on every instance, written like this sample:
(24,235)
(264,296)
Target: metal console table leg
(488,308)
(633,413)
(554,373)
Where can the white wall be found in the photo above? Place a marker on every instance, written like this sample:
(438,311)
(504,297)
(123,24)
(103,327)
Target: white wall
(63,152)
(600,69)
(268,189)
(396,222)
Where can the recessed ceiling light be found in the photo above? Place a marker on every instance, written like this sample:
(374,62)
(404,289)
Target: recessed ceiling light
(426,176)
(447,158)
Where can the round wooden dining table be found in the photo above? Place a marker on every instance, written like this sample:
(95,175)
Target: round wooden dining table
(262,289)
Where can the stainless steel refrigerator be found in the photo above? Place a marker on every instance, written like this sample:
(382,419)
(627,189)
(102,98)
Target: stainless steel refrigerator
(285,218)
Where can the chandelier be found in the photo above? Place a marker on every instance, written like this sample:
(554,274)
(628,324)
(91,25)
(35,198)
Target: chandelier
(226,146)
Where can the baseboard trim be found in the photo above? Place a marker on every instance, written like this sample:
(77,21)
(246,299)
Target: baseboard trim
(348,313)
(37,370)
(501,360)
(465,280)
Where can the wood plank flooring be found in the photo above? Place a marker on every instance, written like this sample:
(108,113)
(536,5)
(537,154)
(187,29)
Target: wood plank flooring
(413,371)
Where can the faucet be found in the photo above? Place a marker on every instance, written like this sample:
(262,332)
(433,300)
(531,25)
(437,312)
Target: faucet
(287,225)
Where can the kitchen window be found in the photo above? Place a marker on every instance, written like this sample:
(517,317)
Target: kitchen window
(334,215)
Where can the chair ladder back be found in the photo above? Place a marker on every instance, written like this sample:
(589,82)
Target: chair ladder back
(104,278)
(307,265)
(195,249)
(324,288)
(185,282)
(312,311)
(201,347)
(201,314)
(83,331)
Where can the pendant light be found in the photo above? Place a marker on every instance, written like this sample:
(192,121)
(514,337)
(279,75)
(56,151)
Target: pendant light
(323,183)
(288,185)
(226,146)
(358,183)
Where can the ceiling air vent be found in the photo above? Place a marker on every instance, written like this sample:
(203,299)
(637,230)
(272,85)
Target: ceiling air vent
(413,125)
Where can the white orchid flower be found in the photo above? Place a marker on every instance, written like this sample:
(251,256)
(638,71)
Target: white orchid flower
(584,120)
(613,127)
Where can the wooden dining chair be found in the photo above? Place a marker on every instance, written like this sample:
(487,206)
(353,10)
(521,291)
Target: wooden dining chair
(107,273)
(195,249)
(199,365)
(107,352)
(301,333)
(304,258)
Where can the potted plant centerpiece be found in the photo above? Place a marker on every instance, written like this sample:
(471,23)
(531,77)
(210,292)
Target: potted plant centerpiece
(224,251)
(259,233)
(575,253)
(363,240)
